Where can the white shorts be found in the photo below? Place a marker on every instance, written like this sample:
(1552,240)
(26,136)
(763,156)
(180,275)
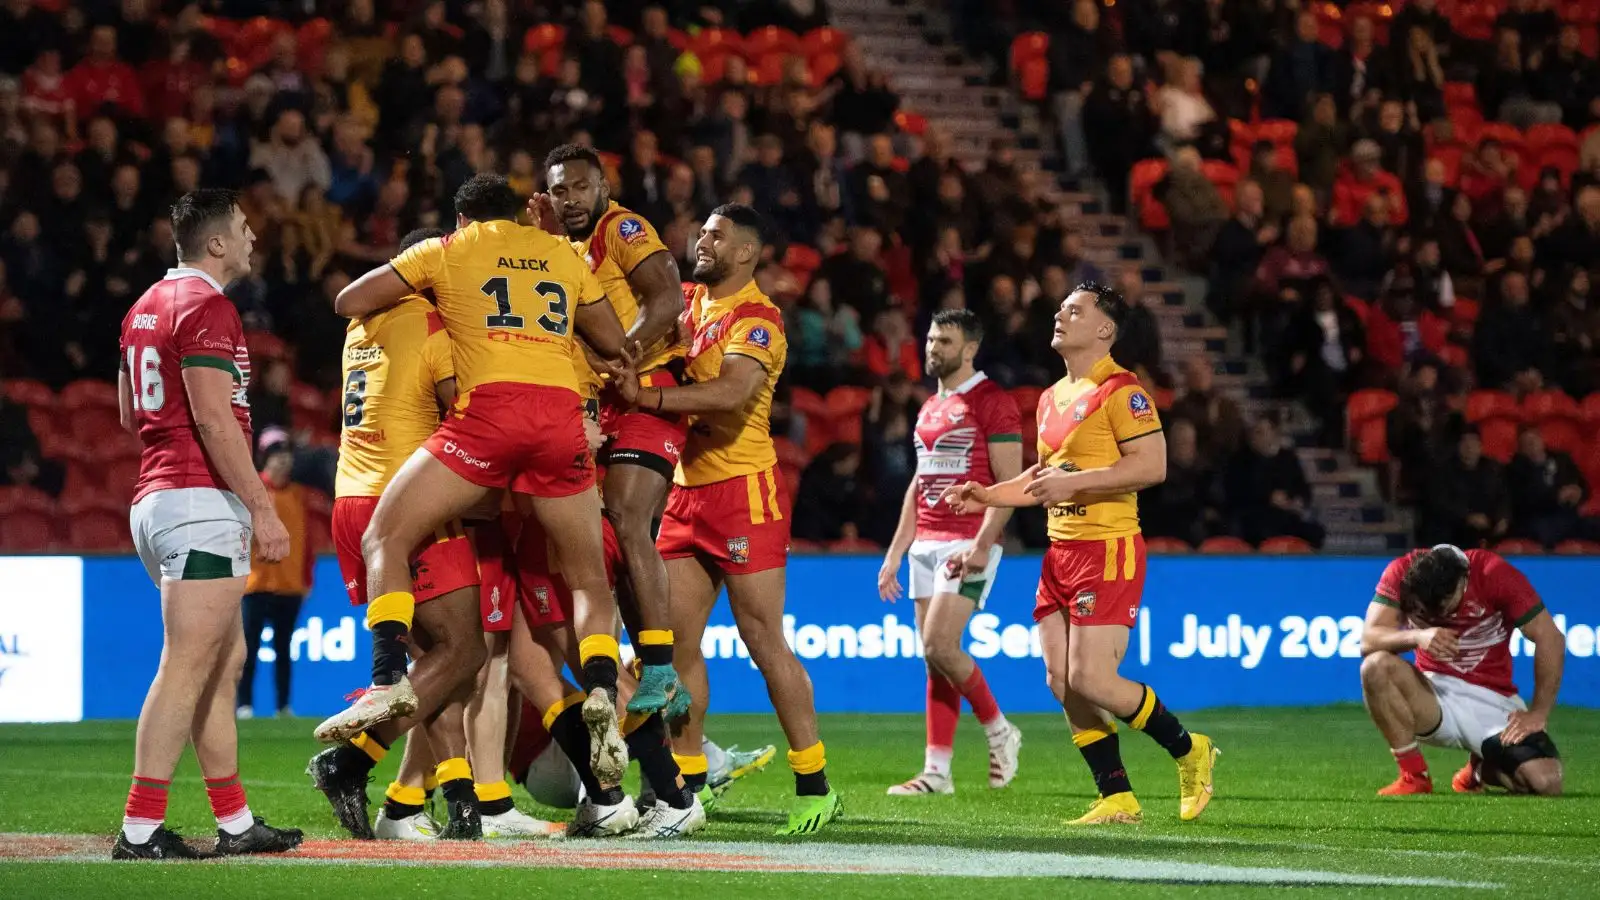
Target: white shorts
(192,534)
(929,576)
(1469,714)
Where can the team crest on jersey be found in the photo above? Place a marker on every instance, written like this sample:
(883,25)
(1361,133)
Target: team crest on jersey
(1139,404)
(956,415)
(1083,604)
(541,599)
(1080,411)
(761,337)
(630,229)
(713,331)
(739,550)
(495,615)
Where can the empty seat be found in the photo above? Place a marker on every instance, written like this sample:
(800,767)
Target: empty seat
(26,531)
(1518,547)
(1370,403)
(1225,545)
(1541,406)
(1578,548)
(1167,545)
(97,531)
(1484,404)
(1285,545)
(28,392)
(89,392)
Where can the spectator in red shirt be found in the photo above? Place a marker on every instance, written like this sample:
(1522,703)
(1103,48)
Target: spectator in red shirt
(169,82)
(1399,330)
(102,79)
(891,347)
(44,88)
(1363,178)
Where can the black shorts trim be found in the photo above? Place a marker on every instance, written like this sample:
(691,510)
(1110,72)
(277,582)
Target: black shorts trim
(629,457)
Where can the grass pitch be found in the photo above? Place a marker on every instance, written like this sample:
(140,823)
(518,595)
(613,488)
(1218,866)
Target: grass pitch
(1294,811)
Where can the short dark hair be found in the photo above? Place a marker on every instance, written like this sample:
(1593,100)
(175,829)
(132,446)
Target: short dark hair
(745,216)
(965,319)
(418,235)
(1431,580)
(486,197)
(197,215)
(1108,300)
(568,152)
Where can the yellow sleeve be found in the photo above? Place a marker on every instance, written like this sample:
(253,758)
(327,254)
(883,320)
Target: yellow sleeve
(436,356)
(632,241)
(421,265)
(757,338)
(1133,413)
(589,288)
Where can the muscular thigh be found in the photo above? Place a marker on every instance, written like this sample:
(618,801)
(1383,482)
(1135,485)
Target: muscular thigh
(694,588)
(456,616)
(946,619)
(423,495)
(1096,648)
(757,601)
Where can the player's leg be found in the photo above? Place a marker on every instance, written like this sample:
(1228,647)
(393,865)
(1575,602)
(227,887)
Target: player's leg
(694,594)
(1093,734)
(757,601)
(633,492)
(944,626)
(404,815)
(1404,706)
(487,713)
(943,714)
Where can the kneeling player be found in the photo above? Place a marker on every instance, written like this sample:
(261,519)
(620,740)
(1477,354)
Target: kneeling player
(1456,609)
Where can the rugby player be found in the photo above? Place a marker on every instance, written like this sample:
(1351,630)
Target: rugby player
(1100,441)
(182,391)
(969,429)
(1456,609)
(641,281)
(510,296)
(725,521)
(398,375)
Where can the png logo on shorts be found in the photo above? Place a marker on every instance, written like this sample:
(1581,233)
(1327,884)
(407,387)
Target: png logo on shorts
(739,550)
(495,615)
(541,599)
(1083,604)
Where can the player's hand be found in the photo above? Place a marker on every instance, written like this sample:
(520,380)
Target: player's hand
(272,539)
(542,212)
(969,563)
(966,499)
(1052,486)
(625,372)
(1521,724)
(889,589)
(1439,643)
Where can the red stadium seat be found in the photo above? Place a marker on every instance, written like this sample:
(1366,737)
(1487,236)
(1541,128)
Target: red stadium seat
(1286,545)
(823,40)
(716,42)
(1454,356)
(620,36)
(89,392)
(1033,79)
(264,345)
(1460,92)
(848,401)
(26,531)
(801,259)
(1225,545)
(853,545)
(1578,548)
(910,123)
(97,531)
(1278,131)
(1590,409)
(1541,406)
(808,403)
(771,39)
(1167,545)
(1550,135)
(1141,186)
(1465,313)
(822,66)
(1371,441)
(1499,438)
(83,498)
(1027,398)
(27,392)
(1370,403)
(90,424)
(1563,435)
(767,70)
(25,499)
(542,38)
(1519,547)
(120,478)
(1451,158)
(1030,45)
(1484,404)
(789,453)
(1358,306)
(799,546)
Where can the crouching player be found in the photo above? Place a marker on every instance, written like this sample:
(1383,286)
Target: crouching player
(1456,609)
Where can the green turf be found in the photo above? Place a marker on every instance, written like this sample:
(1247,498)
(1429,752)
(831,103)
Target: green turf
(1294,790)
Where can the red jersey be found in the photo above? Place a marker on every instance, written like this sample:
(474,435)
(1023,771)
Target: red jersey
(90,84)
(953,434)
(1498,599)
(181,321)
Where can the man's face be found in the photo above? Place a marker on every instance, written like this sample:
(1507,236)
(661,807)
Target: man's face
(722,246)
(882,151)
(103,44)
(1250,200)
(291,128)
(1121,72)
(238,242)
(1264,438)
(1078,323)
(580,194)
(946,350)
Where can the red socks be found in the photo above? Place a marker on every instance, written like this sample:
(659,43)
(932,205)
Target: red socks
(1410,760)
(228,804)
(146,809)
(944,710)
(976,690)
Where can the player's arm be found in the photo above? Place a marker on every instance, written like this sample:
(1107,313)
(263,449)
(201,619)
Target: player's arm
(125,402)
(1549,656)
(1385,630)
(600,330)
(210,390)
(737,382)
(1143,463)
(380,288)
(1005,461)
(655,281)
(1009,494)
(905,531)
(446,392)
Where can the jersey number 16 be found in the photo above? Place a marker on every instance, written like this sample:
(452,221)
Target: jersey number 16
(553,320)
(144,376)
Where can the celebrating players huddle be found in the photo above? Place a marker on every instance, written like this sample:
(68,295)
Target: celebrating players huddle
(522,401)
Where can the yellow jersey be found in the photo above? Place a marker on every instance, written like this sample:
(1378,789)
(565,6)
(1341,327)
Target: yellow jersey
(728,445)
(392,360)
(1083,424)
(506,293)
(621,240)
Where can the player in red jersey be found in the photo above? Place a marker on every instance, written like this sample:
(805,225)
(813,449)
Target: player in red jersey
(185,370)
(970,429)
(1456,608)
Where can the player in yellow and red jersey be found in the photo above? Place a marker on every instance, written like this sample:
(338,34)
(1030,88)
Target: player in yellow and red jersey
(510,296)
(641,280)
(725,520)
(1100,441)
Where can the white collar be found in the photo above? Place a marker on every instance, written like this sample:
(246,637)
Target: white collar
(976,379)
(191,272)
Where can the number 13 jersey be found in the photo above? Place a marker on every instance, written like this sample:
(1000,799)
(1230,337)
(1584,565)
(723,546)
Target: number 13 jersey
(506,293)
(181,322)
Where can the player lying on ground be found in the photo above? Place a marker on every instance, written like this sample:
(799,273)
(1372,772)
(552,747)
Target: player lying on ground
(725,520)
(641,282)
(399,373)
(1456,609)
(509,295)
(1100,442)
(970,429)
(182,391)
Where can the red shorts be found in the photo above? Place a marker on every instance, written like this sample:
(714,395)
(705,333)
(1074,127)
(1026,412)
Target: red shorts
(635,437)
(497,588)
(1097,582)
(542,593)
(527,436)
(445,563)
(740,525)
